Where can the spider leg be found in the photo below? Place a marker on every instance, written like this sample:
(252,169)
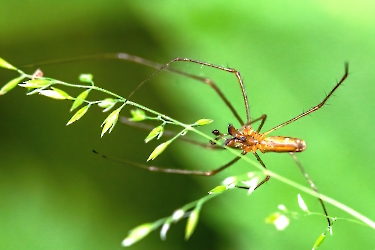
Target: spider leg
(315,108)
(262,118)
(265,179)
(163,67)
(169,133)
(312,185)
(204,80)
(172,170)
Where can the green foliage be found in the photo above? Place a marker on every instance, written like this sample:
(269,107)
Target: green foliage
(110,122)
(10,85)
(158,150)
(36,83)
(192,222)
(203,122)
(80,99)
(190,210)
(86,78)
(156,132)
(319,241)
(138,115)
(107,104)
(79,114)
(55,93)
(5,64)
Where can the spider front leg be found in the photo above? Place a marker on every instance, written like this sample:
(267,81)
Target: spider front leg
(219,135)
(265,179)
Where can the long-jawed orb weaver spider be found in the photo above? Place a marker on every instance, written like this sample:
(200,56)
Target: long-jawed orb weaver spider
(245,138)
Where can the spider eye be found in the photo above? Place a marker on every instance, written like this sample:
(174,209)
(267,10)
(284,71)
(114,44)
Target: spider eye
(216,132)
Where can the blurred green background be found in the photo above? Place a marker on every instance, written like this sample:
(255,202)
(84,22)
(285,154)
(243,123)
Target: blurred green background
(56,194)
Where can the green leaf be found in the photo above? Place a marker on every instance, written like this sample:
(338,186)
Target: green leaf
(78,114)
(137,115)
(52,94)
(36,83)
(5,64)
(55,93)
(218,190)
(80,99)
(137,234)
(158,131)
(11,85)
(203,122)
(191,223)
(62,93)
(319,241)
(86,78)
(158,150)
(108,102)
(110,121)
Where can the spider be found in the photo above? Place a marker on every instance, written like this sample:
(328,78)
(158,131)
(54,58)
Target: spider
(246,138)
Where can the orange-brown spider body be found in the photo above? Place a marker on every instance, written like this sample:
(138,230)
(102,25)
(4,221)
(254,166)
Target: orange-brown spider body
(249,140)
